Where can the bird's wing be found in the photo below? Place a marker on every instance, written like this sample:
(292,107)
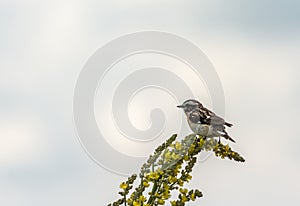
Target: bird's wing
(195,116)
(211,118)
(205,116)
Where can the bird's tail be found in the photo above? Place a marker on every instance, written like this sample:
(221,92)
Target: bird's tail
(228,124)
(226,136)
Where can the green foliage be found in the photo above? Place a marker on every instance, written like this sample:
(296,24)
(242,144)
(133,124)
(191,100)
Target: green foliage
(168,169)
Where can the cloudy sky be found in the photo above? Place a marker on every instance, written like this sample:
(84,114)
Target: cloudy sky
(253,45)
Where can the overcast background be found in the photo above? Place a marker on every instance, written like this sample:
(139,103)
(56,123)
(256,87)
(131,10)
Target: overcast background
(254,46)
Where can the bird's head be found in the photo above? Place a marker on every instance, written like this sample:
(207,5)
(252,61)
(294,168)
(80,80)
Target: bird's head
(190,105)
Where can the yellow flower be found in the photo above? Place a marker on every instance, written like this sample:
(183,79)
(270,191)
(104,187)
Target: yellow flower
(166,195)
(160,201)
(153,176)
(193,197)
(135,203)
(142,198)
(186,157)
(180,182)
(184,198)
(172,179)
(183,191)
(189,177)
(178,146)
(166,186)
(192,148)
(201,142)
(123,185)
(160,171)
(173,203)
(175,156)
(145,184)
(168,155)
(129,200)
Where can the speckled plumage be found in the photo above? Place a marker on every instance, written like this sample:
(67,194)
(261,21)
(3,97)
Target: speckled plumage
(204,122)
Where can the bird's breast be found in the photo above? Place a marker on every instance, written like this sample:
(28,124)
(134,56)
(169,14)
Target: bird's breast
(201,129)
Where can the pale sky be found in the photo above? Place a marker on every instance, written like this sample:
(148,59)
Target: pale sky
(253,45)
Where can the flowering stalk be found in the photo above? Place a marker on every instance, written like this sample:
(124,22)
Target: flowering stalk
(168,169)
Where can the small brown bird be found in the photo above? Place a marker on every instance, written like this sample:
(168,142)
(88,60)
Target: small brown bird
(204,122)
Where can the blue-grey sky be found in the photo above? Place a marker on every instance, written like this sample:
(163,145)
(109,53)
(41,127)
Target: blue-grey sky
(253,45)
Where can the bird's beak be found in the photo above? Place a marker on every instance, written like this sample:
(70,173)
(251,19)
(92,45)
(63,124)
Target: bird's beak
(180,106)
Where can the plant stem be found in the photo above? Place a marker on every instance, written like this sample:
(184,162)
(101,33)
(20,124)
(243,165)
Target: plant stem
(152,197)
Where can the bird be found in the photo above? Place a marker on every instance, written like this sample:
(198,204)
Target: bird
(204,122)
